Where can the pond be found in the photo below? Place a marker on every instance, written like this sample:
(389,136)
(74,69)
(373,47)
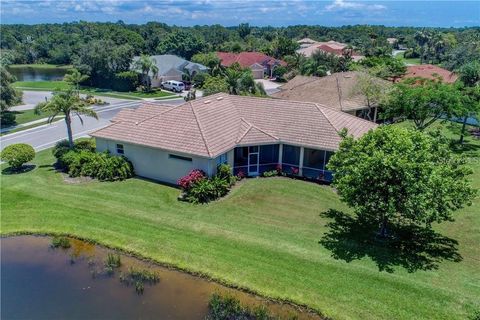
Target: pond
(28,73)
(41,282)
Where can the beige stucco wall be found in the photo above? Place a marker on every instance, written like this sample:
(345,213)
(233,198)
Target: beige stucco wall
(155,163)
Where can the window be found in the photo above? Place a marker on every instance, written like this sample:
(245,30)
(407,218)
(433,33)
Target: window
(269,154)
(177,157)
(291,155)
(221,159)
(120,149)
(313,158)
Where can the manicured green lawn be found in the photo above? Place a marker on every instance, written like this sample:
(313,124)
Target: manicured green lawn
(52,85)
(40,66)
(41,85)
(29,115)
(413,61)
(263,236)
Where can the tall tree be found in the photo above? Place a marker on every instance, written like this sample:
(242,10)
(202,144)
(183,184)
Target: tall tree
(470,78)
(373,90)
(398,175)
(423,101)
(69,104)
(9,96)
(74,78)
(146,65)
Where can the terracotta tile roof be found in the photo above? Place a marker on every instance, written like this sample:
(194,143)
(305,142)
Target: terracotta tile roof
(430,71)
(246,59)
(335,91)
(212,125)
(333,47)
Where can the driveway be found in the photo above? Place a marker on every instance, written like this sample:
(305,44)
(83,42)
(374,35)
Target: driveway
(270,86)
(45,136)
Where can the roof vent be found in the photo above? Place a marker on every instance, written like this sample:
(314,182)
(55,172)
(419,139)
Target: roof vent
(136,123)
(207,101)
(219,98)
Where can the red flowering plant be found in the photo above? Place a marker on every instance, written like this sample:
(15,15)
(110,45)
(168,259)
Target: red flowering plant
(294,170)
(279,169)
(241,175)
(190,179)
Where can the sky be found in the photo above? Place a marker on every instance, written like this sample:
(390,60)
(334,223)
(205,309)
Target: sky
(258,12)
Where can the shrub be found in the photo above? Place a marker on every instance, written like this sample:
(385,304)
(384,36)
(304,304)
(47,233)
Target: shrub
(271,173)
(102,166)
(228,307)
(16,155)
(202,191)
(61,242)
(7,118)
(60,148)
(88,145)
(190,179)
(224,171)
(125,81)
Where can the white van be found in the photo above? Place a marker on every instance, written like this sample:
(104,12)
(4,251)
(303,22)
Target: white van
(172,85)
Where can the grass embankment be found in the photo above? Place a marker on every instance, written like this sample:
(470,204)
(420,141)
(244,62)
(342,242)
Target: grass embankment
(52,85)
(413,61)
(264,236)
(40,66)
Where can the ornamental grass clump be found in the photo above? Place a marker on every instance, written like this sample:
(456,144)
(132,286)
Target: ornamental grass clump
(228,307)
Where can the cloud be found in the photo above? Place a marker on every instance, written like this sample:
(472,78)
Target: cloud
(338,5)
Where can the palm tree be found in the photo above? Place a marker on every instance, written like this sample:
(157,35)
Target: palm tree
(74,78)
(233,77)
(145,65)
(67,103)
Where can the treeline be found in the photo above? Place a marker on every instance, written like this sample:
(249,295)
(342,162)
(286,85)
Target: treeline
(65,43)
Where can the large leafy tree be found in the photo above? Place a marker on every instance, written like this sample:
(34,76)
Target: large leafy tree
(470,78)
(423,101)
(69,104)
(399,175)
(181,43)
(146,65)
(9,96)
(374,92)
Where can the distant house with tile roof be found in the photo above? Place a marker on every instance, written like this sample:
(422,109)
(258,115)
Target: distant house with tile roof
(251,134)
(336,91)
(260,64)
(307,48)
(430,71)
(172,67)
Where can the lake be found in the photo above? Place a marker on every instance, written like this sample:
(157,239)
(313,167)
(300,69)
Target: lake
(41,282)
(26,73)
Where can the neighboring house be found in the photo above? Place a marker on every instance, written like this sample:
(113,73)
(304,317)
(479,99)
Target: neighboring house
(259,63)
(171,67)
(392,41)
(309,46)
(251,134)
(430,72)
(336,91)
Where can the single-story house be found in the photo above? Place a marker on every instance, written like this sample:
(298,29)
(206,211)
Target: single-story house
(259,63)
(172,67)
(309,46)
(335,91)
(430,71)
(251,134)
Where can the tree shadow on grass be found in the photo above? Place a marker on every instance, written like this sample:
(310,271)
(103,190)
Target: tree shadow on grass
(23,169)
(411,247)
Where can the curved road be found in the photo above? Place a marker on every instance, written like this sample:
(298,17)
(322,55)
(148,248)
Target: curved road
(45,136)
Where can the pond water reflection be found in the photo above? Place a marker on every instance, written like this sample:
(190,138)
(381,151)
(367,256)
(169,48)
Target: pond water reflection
(39,282)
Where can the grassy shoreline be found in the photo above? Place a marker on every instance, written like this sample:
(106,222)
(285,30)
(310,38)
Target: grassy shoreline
(40,66)
(52,85)
(263,237)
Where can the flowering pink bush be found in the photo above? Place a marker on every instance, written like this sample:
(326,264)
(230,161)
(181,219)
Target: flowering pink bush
(294,170)
(279,168)
(190,179)
(241,175)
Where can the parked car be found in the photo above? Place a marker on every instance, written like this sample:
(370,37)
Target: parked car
(172,85)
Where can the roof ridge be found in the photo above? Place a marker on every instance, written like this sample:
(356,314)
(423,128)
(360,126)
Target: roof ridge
(268,134)
(326,117)
(200,129)
(250,126)
(161,113)
(339,93)
(348,115)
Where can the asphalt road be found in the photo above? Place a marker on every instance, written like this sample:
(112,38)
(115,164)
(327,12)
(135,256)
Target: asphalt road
(45,136)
